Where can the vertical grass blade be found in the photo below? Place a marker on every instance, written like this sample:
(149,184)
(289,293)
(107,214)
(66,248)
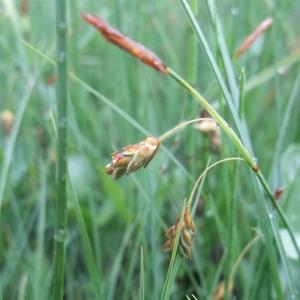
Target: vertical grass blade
(174,261)
(142,276)
(87,247)
(61,201)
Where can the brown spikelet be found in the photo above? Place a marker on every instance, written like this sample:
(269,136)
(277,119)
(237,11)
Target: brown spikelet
(187,234)
(220,290)
(132,157)
(134,48)
(263,26)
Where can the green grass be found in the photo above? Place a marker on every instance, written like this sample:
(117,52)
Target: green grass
(116,228)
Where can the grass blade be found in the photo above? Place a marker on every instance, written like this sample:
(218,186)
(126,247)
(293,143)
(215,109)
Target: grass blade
(61,201)
(88,250)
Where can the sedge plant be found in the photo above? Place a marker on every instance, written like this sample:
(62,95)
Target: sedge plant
(129,159)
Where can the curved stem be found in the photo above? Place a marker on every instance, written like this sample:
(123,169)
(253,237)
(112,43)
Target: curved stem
(214,114)
(240,147)
(204,174)
(180,126)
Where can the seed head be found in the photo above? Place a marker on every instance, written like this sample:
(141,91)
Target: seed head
(132,157)
(187,234)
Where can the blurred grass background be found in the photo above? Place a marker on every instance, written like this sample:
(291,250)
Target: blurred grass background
(122,216)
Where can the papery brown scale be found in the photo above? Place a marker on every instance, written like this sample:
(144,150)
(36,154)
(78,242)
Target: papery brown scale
(168,245)
(134,48)
(186,237)
(189,221)
(171,232)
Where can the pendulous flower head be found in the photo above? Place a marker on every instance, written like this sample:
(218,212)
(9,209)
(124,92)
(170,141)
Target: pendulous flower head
(187,234)
(132,157)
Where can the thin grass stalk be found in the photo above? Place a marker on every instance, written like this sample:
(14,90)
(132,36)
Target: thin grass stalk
(231,101)
(61,201)
(142,275)
(96,278)
(192,49)
(222,123)
(271,71)
(284,126)
(240,147)
(242,78)
(174,261)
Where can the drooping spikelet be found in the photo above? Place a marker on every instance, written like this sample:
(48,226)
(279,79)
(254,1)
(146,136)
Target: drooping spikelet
(187,234)
(134,48)
(132,157)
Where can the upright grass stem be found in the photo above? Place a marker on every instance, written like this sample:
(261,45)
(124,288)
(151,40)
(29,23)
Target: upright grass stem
(61,201)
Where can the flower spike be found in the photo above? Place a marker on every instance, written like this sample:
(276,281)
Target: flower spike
(134,48)
(187,234)
(132,157)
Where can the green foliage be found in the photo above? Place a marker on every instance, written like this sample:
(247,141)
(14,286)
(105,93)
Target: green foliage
(116,228)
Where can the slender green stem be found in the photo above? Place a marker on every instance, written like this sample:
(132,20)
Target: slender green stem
(179,127)
(240,147)
(192,48)
(223,124)
(61,201)
(242,78)
(204,173)
(251,243)
(142,275)
(172,269)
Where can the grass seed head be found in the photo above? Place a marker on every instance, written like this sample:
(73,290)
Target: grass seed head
(132,157)
(187,234)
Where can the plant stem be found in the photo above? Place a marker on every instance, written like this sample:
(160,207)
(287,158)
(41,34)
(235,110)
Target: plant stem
(61,201)
(214,114)
(179,127)
(240,147)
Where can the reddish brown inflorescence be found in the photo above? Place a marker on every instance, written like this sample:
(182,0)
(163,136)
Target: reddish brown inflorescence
(134,48)
(132,157)
(187,234)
